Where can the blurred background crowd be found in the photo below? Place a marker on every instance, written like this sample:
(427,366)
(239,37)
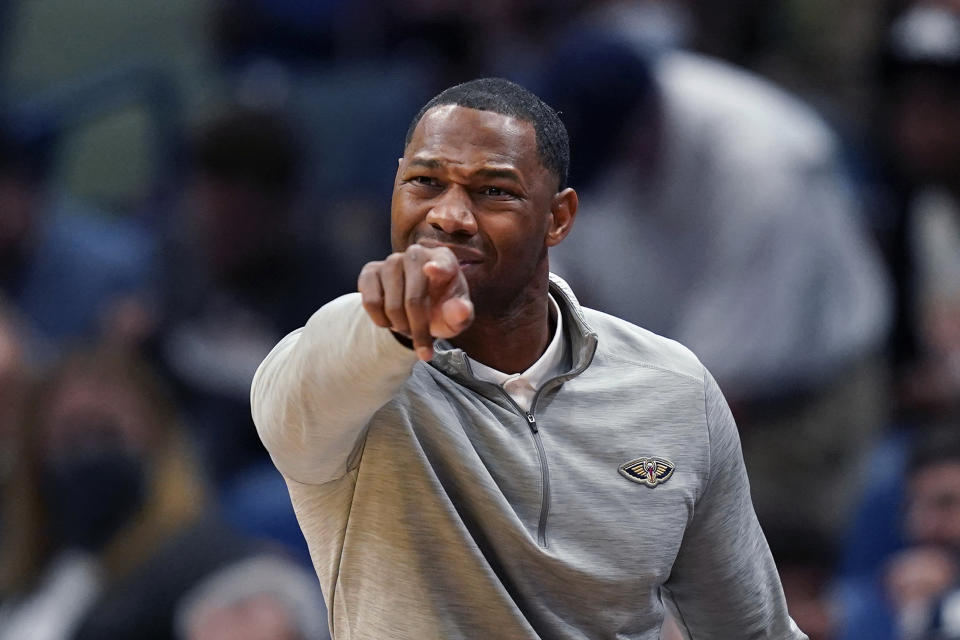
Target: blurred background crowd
(774,183)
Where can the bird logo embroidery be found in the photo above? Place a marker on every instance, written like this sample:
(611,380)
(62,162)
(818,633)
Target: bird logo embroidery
(650,471)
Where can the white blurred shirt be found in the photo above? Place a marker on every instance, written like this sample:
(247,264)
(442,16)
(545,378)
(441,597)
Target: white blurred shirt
(746,246)
(523,386)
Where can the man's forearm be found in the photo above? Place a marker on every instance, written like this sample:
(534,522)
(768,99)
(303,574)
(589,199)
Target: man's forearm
(315,392)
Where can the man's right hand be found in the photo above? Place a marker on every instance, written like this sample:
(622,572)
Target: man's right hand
(420,293)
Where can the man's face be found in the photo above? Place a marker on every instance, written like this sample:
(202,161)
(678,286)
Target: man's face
(473,181)
(933,511)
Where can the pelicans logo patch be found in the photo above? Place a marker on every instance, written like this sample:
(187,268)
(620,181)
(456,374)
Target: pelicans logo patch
(649,471)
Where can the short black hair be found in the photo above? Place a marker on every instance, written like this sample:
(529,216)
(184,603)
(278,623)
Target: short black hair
(510,99)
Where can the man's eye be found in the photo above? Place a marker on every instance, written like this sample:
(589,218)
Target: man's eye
(425,180)
(496,192)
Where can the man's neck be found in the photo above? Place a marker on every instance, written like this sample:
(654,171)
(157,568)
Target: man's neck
(511,342)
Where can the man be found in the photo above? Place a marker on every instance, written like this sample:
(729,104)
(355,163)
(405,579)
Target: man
(471,454)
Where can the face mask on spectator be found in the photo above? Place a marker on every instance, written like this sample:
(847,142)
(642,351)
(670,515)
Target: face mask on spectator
(92,495)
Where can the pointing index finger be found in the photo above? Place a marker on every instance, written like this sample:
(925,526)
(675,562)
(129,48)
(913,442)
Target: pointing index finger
(441,267)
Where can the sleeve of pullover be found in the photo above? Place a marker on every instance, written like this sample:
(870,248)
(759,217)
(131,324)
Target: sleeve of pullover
(314,393)
(724,583)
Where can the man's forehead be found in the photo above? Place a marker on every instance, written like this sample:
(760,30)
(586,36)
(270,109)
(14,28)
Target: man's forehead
(453,127)
(444,113)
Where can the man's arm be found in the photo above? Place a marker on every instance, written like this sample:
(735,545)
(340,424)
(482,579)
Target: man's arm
(314,393)
(724,583)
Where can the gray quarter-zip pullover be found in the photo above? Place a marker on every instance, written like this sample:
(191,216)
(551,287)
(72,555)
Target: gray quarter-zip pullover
(436,508)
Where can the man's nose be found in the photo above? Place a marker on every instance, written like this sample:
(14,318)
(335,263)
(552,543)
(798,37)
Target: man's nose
(453,213)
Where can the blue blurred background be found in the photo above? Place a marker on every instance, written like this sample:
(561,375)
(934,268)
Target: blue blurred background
(774,183)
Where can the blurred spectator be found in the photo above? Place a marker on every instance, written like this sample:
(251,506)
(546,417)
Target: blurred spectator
(921,128)
(71,271)
(923,581)
(903,578)
(871,540)
(259,599)
(716,212)
(918,139)
(106,525)
(237,279)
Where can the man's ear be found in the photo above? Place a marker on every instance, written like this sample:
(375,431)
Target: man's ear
(562,213)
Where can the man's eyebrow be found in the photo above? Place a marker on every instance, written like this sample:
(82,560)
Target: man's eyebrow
(509,174)
(427,163)
(485,172)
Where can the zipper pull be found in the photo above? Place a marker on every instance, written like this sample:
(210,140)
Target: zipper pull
(533,422)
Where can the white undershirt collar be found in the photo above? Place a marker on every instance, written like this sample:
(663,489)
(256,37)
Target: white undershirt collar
(523,386)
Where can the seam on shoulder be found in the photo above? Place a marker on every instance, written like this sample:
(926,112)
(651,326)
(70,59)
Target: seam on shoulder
(647,365)
(706,424)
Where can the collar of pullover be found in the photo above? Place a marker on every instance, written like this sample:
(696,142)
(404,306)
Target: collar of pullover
(583,343)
